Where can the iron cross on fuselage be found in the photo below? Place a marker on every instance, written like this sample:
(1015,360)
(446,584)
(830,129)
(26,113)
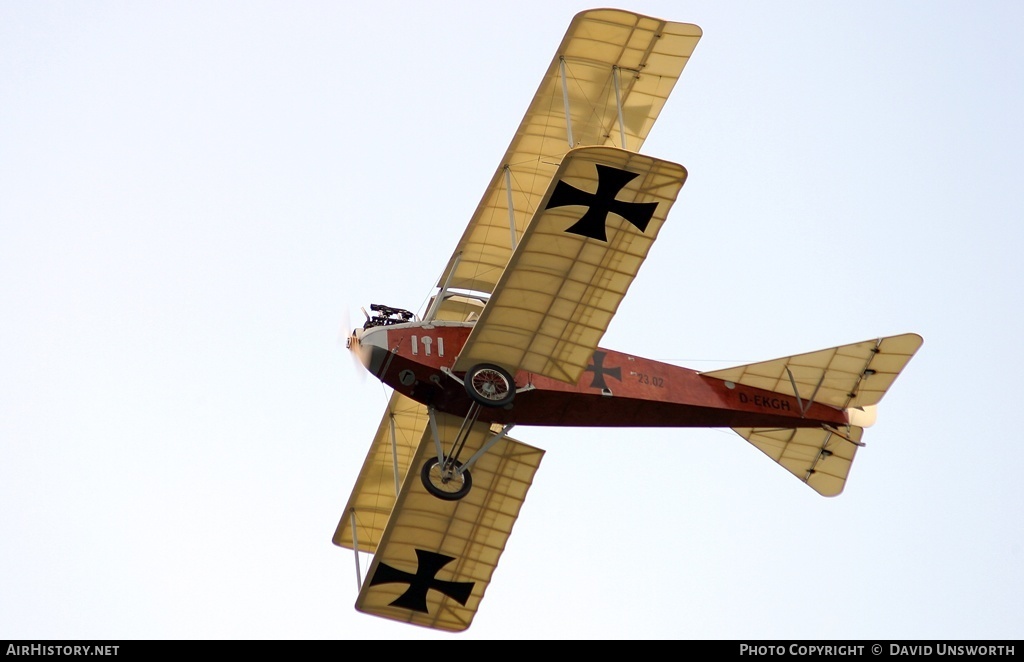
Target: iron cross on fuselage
(597,367)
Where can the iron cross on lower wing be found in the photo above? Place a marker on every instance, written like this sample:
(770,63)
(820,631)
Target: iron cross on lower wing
(423,580)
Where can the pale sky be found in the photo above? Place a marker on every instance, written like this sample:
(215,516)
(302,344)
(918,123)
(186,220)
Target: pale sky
(195,197)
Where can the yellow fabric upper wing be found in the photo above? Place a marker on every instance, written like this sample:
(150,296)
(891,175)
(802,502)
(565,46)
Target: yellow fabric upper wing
(606,54)
(436,557)
(576,260)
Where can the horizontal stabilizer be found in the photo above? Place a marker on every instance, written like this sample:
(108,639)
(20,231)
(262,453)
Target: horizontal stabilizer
(855,375)
(817,456)
(850,377)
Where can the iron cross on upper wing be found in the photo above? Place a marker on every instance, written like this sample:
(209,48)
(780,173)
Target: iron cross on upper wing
(601,203)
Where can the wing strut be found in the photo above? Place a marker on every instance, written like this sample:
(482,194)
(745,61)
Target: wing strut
(355,550)
(565,100)
(394,453)
(439,298)
(511,206)
(616,75)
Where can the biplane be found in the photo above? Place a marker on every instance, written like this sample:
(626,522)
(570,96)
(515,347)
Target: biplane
(511,336)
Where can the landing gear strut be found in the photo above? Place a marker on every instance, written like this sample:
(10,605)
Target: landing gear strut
(442,474)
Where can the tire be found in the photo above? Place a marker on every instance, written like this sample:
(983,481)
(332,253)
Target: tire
(490,385)
(452,488)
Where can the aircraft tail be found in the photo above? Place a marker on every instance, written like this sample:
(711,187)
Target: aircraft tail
(851,377)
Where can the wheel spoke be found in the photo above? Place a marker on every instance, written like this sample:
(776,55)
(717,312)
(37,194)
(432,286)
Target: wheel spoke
(490,385)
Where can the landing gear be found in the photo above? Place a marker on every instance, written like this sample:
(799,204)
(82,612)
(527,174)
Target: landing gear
(447,481)
(490,385)
(444,476)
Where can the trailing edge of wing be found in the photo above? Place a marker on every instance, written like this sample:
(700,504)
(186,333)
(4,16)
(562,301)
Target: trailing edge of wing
(817,456)
(382,474)
(855,375)
(436,557)
(606,54)
(576,260)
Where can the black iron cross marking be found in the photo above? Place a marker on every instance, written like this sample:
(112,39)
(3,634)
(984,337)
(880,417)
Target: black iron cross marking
(597,367)
(609,182)
(415,597)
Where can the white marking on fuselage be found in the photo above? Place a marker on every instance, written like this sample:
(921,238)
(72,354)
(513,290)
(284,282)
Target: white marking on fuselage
(427,342)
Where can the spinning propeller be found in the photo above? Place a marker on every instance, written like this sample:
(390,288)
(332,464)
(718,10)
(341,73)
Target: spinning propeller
(347,335)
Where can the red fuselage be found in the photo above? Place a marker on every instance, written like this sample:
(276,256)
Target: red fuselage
(616,390)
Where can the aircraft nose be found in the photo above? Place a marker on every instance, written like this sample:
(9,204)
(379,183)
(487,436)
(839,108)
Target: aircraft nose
(359,352)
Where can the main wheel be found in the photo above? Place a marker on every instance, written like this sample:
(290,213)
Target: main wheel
(490,385)
(442,480)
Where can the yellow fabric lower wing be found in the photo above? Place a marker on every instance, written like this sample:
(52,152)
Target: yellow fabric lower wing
(575,262)
(436,557)
(383,472)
